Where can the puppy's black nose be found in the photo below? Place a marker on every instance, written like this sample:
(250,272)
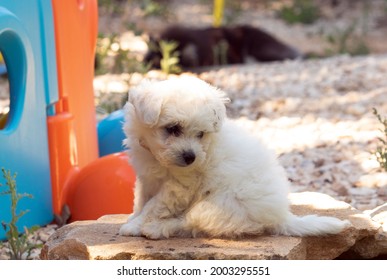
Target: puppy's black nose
(188,157)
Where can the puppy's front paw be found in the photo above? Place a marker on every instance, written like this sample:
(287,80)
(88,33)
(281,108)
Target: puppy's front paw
(154,230)
(164,228)
(130,229)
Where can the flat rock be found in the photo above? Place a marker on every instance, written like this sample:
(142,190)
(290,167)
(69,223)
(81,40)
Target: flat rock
(100,239)
(373,246)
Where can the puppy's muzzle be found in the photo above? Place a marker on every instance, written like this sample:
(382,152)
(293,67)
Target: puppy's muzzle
(188,157)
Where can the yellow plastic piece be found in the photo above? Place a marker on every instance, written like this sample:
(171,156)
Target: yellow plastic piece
(218,12)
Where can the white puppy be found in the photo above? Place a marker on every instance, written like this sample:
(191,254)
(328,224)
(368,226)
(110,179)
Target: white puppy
(199,174)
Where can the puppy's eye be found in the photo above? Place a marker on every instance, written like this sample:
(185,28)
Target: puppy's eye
(200,135)
(175,130)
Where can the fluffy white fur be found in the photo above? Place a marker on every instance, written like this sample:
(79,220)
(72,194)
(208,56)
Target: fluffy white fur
(199,174)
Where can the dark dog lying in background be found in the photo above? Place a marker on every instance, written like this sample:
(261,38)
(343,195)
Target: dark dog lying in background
(210,46)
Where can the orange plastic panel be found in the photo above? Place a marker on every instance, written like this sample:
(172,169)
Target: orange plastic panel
(103,187)
(89,185)
(76,27)
(63,155)
(72,129)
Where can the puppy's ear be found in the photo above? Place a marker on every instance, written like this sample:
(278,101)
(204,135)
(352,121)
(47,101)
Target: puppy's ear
(223,96)
(219,109)
(145,102)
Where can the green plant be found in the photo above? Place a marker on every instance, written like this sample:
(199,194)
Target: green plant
(112,58)
(169,62)
(351,39)
(300,11)
(18,243)
(152,8)
(111,6)
(381,150)
(345,41)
